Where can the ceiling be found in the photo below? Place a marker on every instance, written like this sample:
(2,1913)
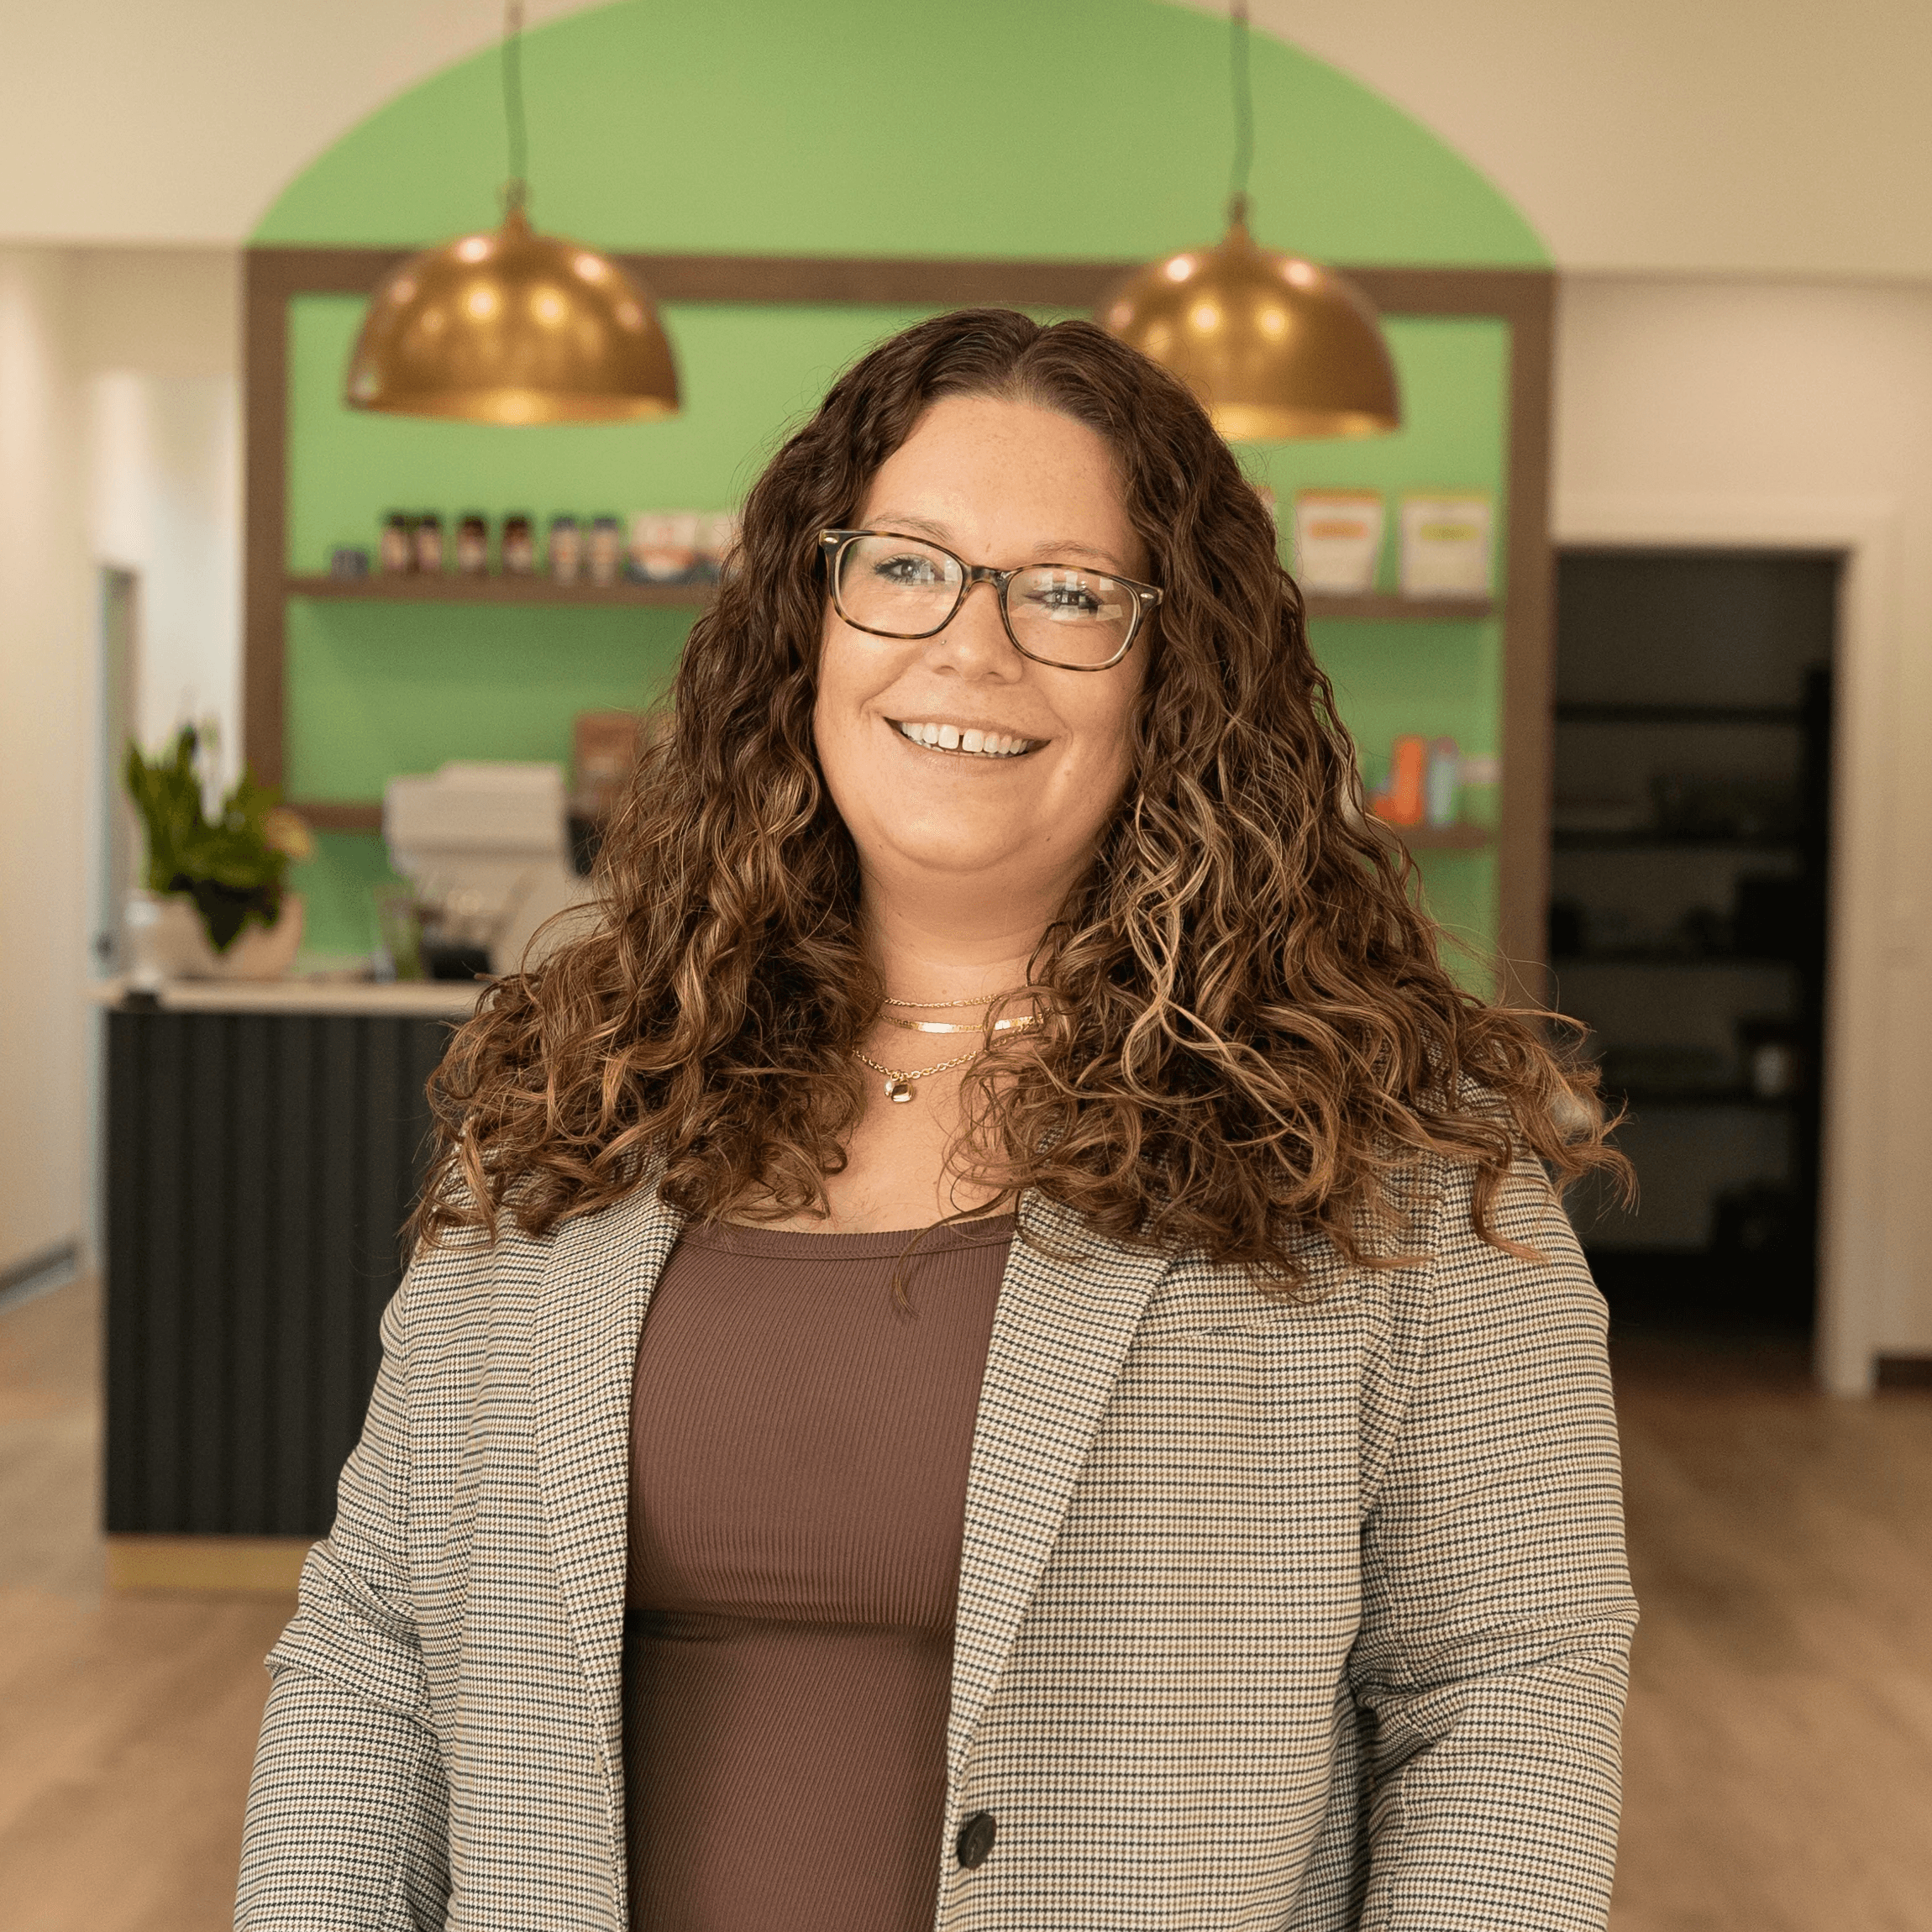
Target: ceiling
(1676,136)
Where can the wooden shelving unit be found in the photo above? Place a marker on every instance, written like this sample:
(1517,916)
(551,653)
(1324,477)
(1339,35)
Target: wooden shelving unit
(1677,962)
(1522,298)
(1651,840)
(451,589)
(334,815)
(1641,714)
(1442,838)
(1704,1100)
(496,589)
(338,815)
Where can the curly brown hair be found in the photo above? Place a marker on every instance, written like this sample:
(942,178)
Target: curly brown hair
(1248,1028)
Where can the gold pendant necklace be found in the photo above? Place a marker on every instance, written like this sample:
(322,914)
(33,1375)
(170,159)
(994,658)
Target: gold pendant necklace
(898,1079)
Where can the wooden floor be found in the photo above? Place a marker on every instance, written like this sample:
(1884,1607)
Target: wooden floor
(1778,1750)
(127,1723)
(1779,1746)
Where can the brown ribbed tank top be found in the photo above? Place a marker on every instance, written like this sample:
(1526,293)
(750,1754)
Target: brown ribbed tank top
(799,1453)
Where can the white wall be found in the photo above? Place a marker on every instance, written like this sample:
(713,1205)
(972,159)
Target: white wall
(124,121)
(167,312)
(157,342)
(1723,412)
(1752,136)
(1774,136)
(164,476)
(119,444)
(45,709)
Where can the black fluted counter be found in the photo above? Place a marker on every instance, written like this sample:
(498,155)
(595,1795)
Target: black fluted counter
(264,1144)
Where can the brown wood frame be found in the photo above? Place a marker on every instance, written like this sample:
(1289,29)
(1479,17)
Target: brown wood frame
(1524,298)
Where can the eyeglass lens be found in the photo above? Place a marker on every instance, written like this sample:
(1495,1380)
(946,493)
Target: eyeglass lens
(902,588)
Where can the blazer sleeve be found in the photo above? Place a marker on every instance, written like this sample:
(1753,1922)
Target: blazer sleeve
(1491,1664)
(347,1819)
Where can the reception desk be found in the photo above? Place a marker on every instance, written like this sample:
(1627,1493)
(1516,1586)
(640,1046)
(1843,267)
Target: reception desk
(265,1145)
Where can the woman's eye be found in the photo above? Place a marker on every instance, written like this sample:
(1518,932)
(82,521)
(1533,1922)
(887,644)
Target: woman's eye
(1066,597)
(912,570)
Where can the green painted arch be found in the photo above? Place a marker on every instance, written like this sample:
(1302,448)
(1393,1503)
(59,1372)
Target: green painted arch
(1094,129)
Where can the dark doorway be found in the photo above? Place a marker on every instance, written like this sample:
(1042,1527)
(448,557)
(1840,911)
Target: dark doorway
(1688,915)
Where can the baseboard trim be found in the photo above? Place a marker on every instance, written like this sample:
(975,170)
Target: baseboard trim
(239,1566)
(51,1267)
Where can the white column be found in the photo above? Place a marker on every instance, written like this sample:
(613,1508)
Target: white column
(47,651)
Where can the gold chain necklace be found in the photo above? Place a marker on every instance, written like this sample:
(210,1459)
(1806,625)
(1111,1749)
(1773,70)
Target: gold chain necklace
(898,1079)
(1024,1024)
(938,1005)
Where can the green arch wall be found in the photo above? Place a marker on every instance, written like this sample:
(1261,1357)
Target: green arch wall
(1055,128)
(1094,128)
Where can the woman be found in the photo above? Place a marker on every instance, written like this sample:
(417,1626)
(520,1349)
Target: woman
(1120,1435)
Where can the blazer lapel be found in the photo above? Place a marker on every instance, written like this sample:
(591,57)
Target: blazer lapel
(596,1285)
(1069,1307)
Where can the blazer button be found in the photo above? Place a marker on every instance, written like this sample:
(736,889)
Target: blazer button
(976,1837)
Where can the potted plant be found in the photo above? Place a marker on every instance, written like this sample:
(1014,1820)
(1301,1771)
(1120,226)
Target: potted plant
(215,904)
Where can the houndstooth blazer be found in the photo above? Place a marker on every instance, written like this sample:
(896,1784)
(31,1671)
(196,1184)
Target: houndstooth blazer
(1292,1616)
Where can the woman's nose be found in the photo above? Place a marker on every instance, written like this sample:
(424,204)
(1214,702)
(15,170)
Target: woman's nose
(974,642)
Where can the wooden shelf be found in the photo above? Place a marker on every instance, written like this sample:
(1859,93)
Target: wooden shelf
(333,815)
(1735,961)
(1607,714)
(1322,605)
(338,815)
(1687,1097)
(1441,837)
(1562,841)
(450,589)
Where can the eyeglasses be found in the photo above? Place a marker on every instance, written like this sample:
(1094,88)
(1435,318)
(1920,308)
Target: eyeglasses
(894,587)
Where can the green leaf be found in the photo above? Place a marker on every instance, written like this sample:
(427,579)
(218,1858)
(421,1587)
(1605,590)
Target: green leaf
(227,862)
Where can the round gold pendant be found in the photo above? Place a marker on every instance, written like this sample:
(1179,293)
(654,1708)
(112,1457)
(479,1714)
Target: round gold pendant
(898,1090)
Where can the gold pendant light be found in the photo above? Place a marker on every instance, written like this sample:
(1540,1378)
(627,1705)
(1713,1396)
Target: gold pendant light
(1275,346)
(514,326)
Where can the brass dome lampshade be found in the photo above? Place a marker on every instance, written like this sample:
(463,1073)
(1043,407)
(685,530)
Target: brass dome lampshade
(514,326)
(1274,346)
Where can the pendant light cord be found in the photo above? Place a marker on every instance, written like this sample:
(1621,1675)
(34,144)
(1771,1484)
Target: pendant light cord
(516,193)
(1243,90)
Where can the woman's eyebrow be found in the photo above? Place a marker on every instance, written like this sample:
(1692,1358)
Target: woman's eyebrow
(925,527)
(912,526)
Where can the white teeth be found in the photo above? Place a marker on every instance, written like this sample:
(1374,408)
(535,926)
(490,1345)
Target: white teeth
(950,737)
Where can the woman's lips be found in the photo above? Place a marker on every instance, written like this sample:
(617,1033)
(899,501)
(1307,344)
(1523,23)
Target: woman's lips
(971,741)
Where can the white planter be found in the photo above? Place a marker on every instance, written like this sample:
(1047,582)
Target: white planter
(168,940)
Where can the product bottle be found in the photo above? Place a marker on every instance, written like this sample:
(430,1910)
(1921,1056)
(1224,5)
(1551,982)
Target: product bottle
(606,551)
(1403,801)
(396,552)
(1445,763)
(473,545)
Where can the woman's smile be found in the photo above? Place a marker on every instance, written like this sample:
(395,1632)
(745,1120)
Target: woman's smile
(965,741)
